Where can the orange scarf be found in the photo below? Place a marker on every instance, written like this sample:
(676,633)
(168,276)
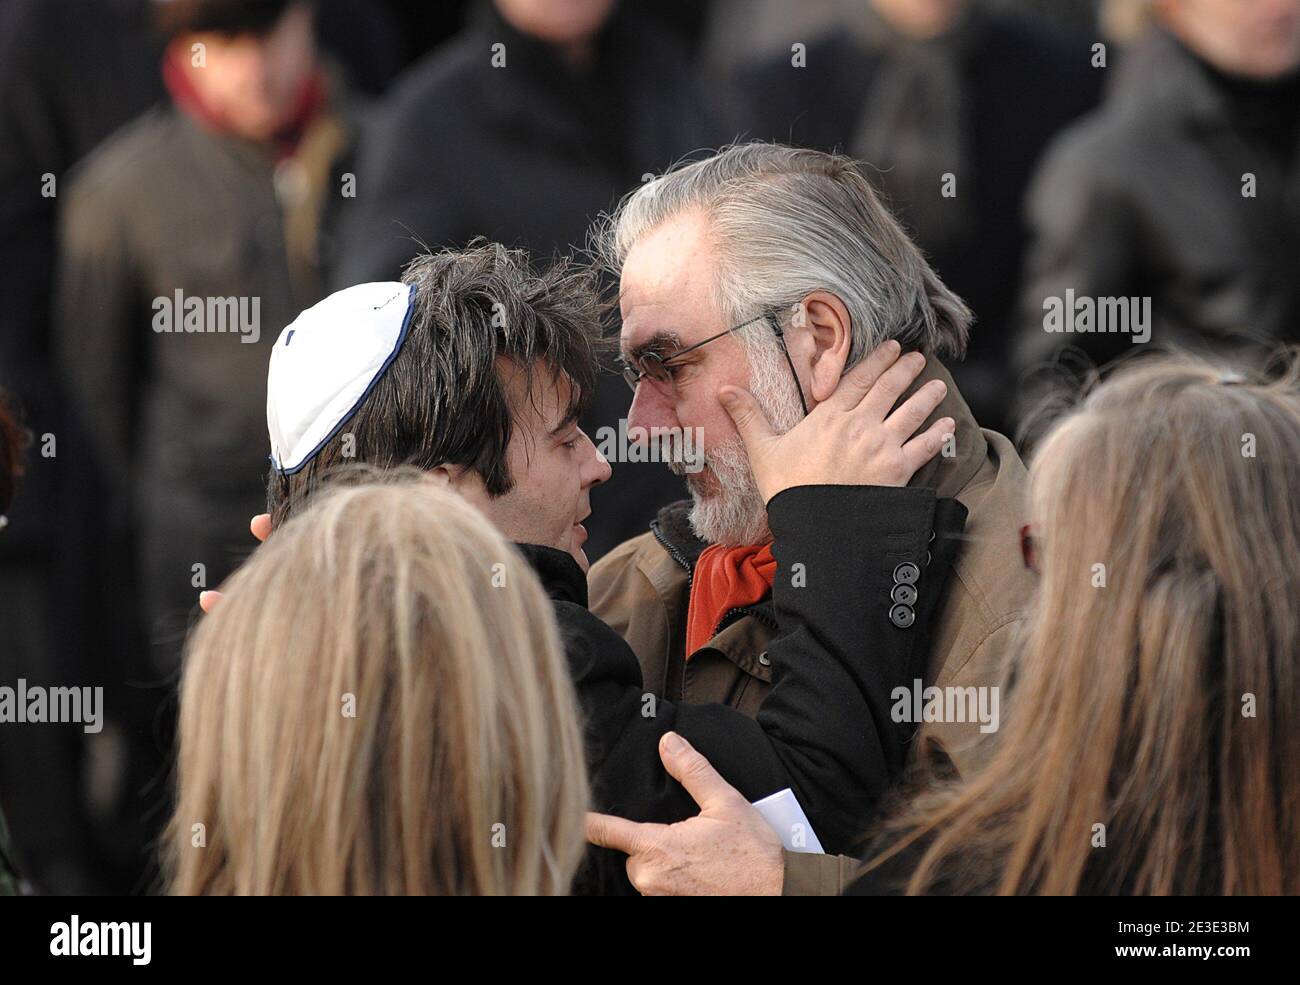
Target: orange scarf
(725,578)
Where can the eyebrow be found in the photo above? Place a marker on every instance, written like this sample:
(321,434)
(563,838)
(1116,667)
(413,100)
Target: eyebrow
(564,425)
(655,343)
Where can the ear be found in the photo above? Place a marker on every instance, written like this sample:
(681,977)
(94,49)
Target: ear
(829,335)
(445,475)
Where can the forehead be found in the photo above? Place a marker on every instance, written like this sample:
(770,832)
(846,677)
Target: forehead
(667,284)
(541,408)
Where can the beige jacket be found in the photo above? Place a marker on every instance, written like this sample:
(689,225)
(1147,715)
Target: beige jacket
(641,590)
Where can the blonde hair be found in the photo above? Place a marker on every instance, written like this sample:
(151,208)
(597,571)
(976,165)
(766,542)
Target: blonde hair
(379,705)
(1158,695)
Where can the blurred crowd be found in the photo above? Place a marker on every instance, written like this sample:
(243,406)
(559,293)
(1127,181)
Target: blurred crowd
(159,151)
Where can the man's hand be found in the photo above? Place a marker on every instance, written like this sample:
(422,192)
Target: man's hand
(260,527)
(851,438)
(725,850)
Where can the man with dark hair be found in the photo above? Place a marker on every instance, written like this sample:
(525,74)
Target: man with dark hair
(483,323)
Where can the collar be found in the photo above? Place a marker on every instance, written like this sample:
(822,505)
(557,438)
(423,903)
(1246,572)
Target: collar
(1161,75)
(560,574)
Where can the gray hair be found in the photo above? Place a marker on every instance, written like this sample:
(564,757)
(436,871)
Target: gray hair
(788,221)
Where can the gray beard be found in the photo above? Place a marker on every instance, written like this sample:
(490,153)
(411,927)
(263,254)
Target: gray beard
(727,507)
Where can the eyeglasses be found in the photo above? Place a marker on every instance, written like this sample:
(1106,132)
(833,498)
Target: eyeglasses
(659,368)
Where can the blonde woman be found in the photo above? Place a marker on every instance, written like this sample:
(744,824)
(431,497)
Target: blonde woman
(380,705)
(1151,733)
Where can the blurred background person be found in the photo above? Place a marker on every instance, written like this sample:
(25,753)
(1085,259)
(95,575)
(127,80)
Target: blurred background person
(1183,188)
(379,706)
(950,103)
(536,118)
(220,199)
(221,195)
(12,441)
(71,72)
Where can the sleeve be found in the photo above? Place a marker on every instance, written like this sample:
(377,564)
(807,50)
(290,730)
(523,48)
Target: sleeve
(1084,238)
(825,729)
(818,875)
(99,325)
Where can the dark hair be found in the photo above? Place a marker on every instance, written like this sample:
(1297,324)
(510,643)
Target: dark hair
(223,16)
(441,400)
(13,438)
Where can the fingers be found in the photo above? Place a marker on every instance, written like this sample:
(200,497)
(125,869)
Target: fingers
(751,423)
(689,768)
(209,600)
(904,421)
(924,447)
(618,833)
(260,526)
(858,381)
(891,385)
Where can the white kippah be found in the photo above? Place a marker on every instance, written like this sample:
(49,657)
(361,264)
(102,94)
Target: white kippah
(325,363)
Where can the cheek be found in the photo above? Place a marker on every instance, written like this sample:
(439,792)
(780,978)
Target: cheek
(714,423)
(698,406)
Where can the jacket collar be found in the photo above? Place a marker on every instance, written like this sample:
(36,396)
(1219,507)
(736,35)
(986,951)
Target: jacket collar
(1163,77)
(947,476)
(560,574)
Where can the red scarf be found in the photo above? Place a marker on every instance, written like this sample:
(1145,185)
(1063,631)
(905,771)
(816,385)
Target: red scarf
(725,578)
(187,98)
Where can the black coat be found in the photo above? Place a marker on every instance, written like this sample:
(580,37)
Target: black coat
(529,155)
(1144,199)
(825,730)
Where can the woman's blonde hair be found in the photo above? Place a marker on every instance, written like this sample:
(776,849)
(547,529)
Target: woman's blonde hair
(1152,744)
(379,705)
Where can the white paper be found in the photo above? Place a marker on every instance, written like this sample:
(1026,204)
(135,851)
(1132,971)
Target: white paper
(782,811)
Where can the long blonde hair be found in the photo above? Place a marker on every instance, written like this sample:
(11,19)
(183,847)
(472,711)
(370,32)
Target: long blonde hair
(1152,744)
(380,705)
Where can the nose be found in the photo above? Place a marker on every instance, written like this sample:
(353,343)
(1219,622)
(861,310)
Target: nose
(650,409)
(595,468)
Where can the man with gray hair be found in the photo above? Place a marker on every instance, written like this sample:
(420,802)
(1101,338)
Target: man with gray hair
(749,283)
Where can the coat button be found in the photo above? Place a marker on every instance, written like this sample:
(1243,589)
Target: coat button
(906,573)
(764,659)
(903,594)
(902,616)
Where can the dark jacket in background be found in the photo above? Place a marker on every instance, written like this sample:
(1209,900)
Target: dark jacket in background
(825,728)
(71,72)
(177,420)
(1015,82)
(1144,199)
(529,155)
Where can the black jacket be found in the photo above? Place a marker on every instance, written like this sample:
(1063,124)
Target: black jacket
(1145,199)
(825,730)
